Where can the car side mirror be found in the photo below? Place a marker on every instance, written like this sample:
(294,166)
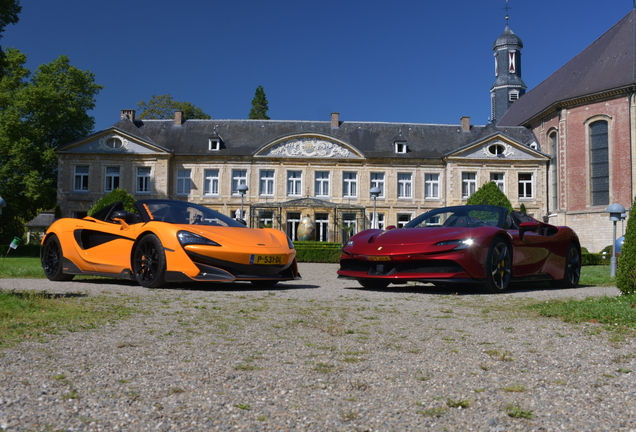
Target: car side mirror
(242,221)
(390,227)
(118,214)
(527,226)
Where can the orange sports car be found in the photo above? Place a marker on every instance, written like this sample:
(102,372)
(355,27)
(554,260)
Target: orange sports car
(166,241)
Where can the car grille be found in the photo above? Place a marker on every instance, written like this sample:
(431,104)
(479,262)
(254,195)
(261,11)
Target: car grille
(388,267)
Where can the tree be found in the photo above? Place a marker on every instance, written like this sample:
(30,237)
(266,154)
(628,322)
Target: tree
(626,271)
(490,194)
(164,106)
(259,105)
(112,197)
(9,10)
(38,113)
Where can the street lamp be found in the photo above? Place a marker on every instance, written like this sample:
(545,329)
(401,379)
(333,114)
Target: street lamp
(375,192)
(242,189)
(3,203)
(616,212)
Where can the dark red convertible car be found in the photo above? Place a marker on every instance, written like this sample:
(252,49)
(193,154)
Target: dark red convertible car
(476,244)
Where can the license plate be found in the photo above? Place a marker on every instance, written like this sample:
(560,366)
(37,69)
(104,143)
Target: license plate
(267,259)
(379,258)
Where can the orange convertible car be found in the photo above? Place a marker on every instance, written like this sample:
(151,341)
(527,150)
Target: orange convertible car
(166,241)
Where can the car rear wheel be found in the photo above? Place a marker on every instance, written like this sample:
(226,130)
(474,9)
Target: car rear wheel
(498,266)
(572,271)
(373,283)
(149,262)
(52,260)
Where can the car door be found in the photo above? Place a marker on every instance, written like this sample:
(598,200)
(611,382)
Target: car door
(104,245)
(531,253)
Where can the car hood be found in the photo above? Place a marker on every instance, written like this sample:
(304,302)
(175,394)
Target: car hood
(399,240)
(243,237)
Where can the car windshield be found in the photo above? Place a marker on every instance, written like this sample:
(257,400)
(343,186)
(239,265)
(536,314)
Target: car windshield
(180,212)
(461,216)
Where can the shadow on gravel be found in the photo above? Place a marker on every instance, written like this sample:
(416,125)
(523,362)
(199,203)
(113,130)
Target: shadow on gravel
(205,286)
(458,289)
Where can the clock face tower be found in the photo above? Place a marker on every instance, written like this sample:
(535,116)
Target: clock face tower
(508,86)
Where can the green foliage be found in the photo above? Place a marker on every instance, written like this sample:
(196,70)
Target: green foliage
(38,113)
(626,271)
(490,194)
(522,208)
(259,105)
(594,259)
(23,250)
(164,106)
(113,196)
(315,251)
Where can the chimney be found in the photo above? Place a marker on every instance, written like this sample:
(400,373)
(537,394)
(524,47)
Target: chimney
(335,120)
(465,122)
(129,114)
(178,118)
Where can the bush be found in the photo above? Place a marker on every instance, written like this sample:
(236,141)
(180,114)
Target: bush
(112,197)
(315,251)
(594,259)
(490,194)
(23,250)
(626,272)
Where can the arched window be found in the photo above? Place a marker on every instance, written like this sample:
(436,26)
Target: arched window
(599,163)
(554,184)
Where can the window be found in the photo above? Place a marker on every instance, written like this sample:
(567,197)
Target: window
(349,225)
(266,219)
(554,185)
(112,179)
(214,144)
(404,185)
(239,177)
(599,163)
(498,178)
(322,183)
(294,183)
(293,220)
(525,185)
(322,226)
(380,224)
(81,178)
(431,186)
(143,179)
(211,182)
(113,143)
(469,184)
(183,182)
(497,149)
(403,219)
(266,185)
(401,147)
(513,95)
(349,184)
(377,180)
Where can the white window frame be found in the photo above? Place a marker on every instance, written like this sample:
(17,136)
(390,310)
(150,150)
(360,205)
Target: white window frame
(211,182)
(144,178)
(293,220)
(350,184)
(405,185)
(469,184)
(112,178)
(184,181)
(294,184)
(322,226)
(401,147)
(403,219)
(524,184)
(431,186)
(500,182)
(239,177)
(322,184)
(214,144)
(81,178)
(266,183)
(377,180)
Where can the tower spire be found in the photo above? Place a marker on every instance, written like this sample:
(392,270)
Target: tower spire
(507,8)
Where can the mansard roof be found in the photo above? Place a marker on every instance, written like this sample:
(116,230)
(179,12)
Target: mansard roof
(372,139)
(607,65)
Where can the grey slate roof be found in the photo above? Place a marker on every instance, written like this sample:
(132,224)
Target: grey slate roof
(373,139)
(607,64)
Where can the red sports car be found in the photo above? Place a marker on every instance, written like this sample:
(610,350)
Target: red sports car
(477,244)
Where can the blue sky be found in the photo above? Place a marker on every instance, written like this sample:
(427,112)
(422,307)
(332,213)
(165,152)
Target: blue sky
(416,61)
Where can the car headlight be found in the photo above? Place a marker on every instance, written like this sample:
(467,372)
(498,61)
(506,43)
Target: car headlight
(461,244)
(350,243)
(188,238)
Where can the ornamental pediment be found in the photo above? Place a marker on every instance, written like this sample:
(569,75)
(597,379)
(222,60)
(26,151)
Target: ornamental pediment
(309,147)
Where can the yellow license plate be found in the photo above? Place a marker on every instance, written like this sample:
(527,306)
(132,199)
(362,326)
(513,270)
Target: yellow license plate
(267,259)
(379,258)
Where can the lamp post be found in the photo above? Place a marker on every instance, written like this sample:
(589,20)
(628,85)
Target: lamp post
(242,189)
(375,192)
(616,211)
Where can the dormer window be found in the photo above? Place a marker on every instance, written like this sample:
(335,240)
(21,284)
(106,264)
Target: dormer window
(214,144)
(400,147)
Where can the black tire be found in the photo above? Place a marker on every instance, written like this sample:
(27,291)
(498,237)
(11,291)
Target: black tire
(498,266)
(373,283)
(149,262)
(264,283)
(52,260)
(572,271)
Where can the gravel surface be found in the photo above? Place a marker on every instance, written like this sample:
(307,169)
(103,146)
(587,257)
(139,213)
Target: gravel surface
(320,354)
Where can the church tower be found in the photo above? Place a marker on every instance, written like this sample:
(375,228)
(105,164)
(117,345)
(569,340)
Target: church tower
(508,86)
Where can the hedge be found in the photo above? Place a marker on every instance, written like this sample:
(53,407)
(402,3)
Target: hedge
(320,252)
(29,250)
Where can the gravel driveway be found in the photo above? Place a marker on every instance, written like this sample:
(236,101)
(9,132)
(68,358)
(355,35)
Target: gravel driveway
(320,355)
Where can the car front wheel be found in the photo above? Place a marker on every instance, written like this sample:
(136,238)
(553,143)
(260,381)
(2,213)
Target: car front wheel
(52,260)
(149,262)
(572,271)
(498,266)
